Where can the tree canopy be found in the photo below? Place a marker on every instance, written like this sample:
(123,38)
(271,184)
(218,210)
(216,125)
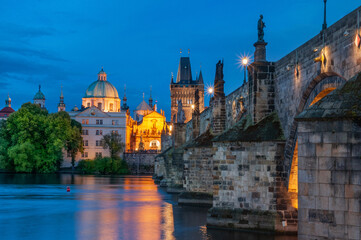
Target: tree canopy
(31,140)
(113,142)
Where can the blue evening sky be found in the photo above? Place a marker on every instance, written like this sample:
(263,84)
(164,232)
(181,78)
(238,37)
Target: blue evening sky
(56,43)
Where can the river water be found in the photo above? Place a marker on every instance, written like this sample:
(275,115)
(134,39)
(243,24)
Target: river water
(39,207)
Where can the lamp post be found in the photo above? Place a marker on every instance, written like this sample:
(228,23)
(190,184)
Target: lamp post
(245,63)
(210,90)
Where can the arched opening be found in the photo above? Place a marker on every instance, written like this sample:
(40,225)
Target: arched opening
(293,178)
(155,145)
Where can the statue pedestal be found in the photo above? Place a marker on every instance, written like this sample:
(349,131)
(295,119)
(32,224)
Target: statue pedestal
(260,52)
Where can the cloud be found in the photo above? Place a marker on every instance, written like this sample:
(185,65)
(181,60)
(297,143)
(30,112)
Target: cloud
(14,31)
(28,70)
(30,52)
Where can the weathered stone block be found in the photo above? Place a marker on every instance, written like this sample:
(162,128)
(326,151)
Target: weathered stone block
(324,176)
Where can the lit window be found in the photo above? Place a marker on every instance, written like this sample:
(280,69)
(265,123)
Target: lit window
(85,143)
(111,107)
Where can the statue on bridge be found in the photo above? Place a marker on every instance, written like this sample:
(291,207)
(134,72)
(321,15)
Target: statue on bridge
(180,113)
(261,25)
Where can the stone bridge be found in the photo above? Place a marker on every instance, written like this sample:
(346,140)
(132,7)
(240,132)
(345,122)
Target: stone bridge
(247,168)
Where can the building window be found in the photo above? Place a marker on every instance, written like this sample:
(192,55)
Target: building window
(111,107)
(85,132)
(100,106)
(84,155)
(85,143)
(98,154)
(99,132)
(115,131)
(85,121)
(99,121)
(115,122)
(98,143)
(88,104)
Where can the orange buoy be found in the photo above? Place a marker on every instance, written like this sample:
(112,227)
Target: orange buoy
(68,189)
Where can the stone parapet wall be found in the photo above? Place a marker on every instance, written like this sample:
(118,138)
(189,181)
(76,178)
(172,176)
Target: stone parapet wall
(329,163)
(248,178)
(236,104)
(343,59)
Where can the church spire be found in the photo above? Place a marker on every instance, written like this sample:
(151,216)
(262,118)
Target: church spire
(125,106)
(150,98)
(61,105)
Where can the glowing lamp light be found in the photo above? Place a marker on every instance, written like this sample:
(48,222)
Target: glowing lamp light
(210,90)
(193,106)
(170,127)
(244,61)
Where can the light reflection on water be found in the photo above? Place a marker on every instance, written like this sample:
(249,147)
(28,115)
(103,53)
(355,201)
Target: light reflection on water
(38,207)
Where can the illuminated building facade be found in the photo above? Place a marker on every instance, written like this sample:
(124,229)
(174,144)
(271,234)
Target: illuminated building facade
(144,132)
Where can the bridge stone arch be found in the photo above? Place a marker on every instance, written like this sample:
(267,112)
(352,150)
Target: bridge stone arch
(318,88)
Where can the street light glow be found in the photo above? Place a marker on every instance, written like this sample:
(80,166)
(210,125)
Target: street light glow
(210,90)
(192,106)
(244,61)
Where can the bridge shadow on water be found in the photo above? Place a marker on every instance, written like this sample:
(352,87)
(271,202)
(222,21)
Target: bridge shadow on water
(99,207)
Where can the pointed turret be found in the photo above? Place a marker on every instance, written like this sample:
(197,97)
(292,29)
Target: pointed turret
(200,77)
(61,105)
(171,80)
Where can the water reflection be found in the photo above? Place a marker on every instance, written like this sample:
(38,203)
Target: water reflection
(38,207)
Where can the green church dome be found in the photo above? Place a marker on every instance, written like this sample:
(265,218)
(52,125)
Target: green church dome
(39,95)
(101,88)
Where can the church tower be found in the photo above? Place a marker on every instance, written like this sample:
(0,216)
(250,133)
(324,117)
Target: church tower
(8,102)
(184,90)
(39,98)
(61,105)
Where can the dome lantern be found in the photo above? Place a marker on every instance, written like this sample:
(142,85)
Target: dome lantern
(102,76)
